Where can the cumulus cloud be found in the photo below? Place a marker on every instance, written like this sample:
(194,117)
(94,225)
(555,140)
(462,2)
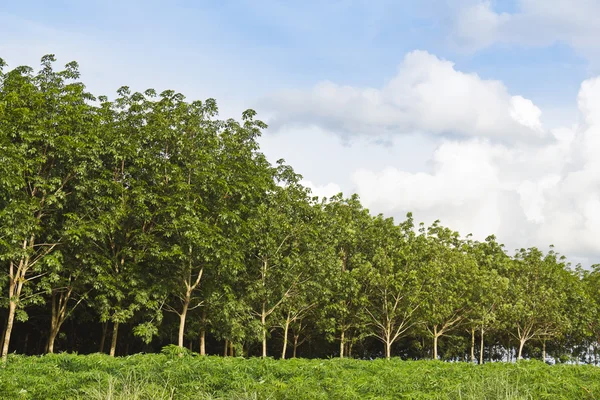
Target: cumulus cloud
(484,179)
(427,95)
(527,194)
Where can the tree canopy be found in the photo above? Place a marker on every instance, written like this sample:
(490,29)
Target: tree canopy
(146,220)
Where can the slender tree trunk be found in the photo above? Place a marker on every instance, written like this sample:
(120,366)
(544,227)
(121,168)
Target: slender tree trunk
(103,338)
(285,336)
(263,322)
(295,345)
(350,344)
(388,350)
(435,343)
(12,307)
(481,347)
(226,348)
(203,333)
(182,318)
(3,334)
(342,344)
(202,342)
(521,344)
(544,350)
(473,345)
(26,343)
(231,349)
(51,339)
(113,344)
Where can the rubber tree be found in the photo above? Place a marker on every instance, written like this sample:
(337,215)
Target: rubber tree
(450,272)
(47,146)
(393,283)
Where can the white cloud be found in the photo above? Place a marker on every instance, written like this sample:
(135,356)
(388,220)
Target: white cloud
(328,190)
(483,179)
(536,23)
(526,194)
(427,95)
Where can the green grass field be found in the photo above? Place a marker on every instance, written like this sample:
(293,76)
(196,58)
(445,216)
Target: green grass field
(164,376)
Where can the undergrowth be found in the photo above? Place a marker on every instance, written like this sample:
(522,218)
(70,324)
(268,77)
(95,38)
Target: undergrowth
(173,376)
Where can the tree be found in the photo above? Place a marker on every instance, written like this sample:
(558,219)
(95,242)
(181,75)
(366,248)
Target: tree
(536,303)
(393,281)
(278,230)
(47,144)
(488,290)
(343,297)
(449,273)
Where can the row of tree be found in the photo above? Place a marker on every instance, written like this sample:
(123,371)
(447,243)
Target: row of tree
(149,215)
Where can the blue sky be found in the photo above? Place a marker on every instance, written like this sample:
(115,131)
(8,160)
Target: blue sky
(471,111)
(257,46)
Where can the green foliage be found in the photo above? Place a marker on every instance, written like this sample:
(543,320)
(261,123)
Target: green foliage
(168,376)
(115,211)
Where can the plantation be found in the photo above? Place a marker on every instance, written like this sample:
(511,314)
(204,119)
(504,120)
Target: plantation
(168,376)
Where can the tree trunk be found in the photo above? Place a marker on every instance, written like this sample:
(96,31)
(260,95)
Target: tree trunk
(521,344)
(295,345)
(103,338)
(51,339)
(263,322)
(435,343)
(231,349)
(388,350)
(59,314)
(2,337)
(203,333)
(342,344)
(12,307)
(473,345)
(26,343)
(285,336)
(202,342)
(544,350)
(481,347)
(182,318)
(113,344)
(225,348)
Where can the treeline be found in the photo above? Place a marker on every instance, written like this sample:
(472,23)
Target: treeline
(132,223)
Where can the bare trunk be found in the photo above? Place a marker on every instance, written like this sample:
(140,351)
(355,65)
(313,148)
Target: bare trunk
(59,314)
(285,336)
(388,350)
(295,346)
(544,350)
(103,338)
(2,337)
(26,343)
(435,343)
(202,342)
(203,333)
(342,344)
(182,318)
(521,344)
(473,345)
(113,344)
(231,349)
(481,347)
(12,307)
(263,322)
(226,348)
(51,339)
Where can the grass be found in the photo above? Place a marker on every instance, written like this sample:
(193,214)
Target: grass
(167,376)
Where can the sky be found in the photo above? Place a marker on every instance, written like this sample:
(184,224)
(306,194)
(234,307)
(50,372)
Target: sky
(482,114)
